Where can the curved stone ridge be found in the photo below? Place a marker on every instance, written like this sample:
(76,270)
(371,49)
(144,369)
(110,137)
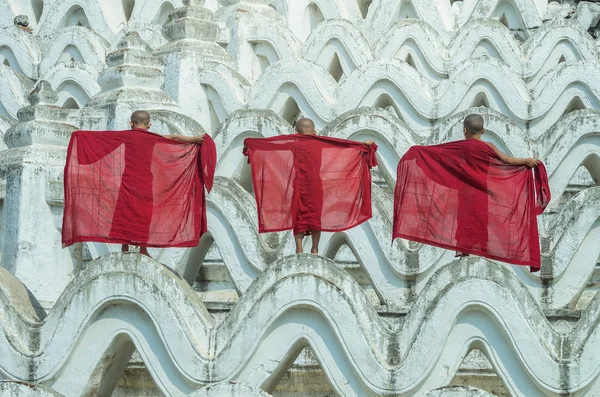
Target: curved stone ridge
(400,73)
(139,301)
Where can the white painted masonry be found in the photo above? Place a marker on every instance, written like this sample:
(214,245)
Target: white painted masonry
(240,315)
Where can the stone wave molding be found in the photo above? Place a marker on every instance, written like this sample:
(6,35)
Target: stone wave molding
(416,100)
(481,81)
(522,94)
(123,302)
(376,20)
(432,57)
(397,72)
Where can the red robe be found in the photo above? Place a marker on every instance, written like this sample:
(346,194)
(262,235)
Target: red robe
(305,183)
(460,196)
(136,187)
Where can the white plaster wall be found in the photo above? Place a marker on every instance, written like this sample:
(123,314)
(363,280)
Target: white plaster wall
(397,72)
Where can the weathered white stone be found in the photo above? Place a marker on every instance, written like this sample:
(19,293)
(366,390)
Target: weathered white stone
(13,92)
(22,389)
(36,158)
(192,43)
(21,50)
(458,391)
(397,72)
(231,389)
(461,299)
(77,43)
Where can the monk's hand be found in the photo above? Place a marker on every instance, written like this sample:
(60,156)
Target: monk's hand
(369,143)
(532,163)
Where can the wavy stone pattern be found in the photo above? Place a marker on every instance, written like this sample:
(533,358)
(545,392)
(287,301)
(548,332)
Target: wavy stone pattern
(239,315)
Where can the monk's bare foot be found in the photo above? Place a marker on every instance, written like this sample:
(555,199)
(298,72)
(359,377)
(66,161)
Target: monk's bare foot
(314,251)
(461,254)
(144,251)
(125,248)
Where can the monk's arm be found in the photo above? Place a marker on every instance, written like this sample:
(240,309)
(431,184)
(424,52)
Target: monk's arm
(529,162)
(186,139)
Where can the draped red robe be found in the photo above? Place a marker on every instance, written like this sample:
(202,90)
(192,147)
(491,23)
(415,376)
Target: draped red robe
(136,187)
(460,196)
(310,183)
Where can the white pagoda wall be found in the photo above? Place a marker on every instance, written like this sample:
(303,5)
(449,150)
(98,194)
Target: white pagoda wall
(367,318)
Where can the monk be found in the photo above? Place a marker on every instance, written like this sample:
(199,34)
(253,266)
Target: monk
(136,187)
(469,223)
(473,129)
(138,159)
(468,196)
(310,199)
(306,126)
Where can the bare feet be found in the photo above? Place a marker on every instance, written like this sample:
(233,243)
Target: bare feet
(461,254)
(144,251)
(314,251)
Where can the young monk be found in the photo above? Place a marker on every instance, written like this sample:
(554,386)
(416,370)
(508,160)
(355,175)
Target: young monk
(306,126)
(136,187)
(468,196)
(473,129)
(311,199)
(467,222)
(140,120)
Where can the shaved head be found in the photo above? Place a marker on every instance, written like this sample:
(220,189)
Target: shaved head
(140,119)
(474,124)
(305,126)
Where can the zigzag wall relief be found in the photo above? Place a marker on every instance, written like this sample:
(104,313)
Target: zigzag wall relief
(240,315)
(383,360)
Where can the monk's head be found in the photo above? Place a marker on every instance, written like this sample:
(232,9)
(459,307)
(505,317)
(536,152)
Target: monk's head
(473,126)
(140,119)
(305,126)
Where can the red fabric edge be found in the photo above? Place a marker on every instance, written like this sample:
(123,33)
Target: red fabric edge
(208,161)
(534,266)
(95,239)
(81,239)
(263,230)
(65,187)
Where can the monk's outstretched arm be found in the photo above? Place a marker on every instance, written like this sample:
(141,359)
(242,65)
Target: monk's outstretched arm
(186,139)
(529,162)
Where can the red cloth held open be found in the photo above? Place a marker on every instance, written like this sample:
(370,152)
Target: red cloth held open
(305,182)
(136,187)
(460,196)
